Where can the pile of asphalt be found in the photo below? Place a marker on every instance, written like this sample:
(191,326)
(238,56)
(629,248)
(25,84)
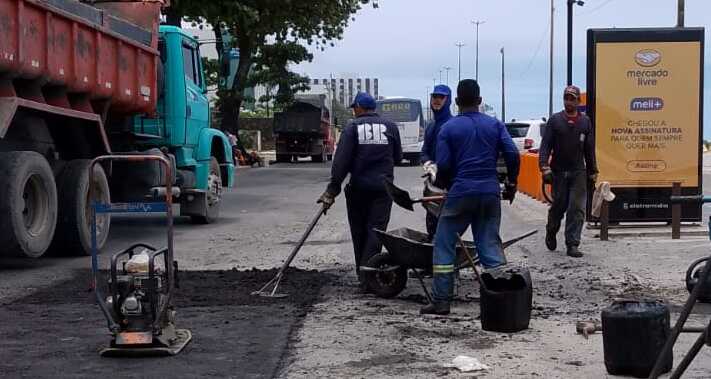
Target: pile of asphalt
(58,331)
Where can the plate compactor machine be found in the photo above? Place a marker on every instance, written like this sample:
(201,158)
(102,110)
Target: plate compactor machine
(141,280)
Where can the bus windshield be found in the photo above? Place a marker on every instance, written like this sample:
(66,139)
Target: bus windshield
(399,110)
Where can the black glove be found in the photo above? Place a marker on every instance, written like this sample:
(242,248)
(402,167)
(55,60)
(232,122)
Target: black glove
(547,175)
(509,192)
(326,200)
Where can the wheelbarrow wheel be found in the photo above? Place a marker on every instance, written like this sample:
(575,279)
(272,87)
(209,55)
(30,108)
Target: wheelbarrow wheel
(389,279)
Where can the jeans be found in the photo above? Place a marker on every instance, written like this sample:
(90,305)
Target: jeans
(366,210)
(569,199)
(483,213)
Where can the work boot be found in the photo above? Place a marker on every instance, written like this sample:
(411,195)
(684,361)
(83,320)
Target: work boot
(574,252)
(436,308)
(551,242)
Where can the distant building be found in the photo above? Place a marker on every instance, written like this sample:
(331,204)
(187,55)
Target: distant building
(344,89)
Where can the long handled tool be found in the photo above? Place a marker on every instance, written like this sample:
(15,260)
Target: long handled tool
(280,274)
(402,197)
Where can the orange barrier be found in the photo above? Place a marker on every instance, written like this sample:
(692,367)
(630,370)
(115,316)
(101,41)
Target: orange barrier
(529,177)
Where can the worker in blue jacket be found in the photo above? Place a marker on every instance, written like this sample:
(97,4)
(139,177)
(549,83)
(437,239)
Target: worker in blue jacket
(367,150)
(440,103)
(468,147)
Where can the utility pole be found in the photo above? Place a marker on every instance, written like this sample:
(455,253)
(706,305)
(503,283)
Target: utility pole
(447,68)
(550,64)
(503,87)
(680,14)
(440,76)
(459,59)
(476,73)
(570,37)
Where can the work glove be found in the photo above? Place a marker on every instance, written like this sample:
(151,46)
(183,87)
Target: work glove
(430,169)
(593,177)
(547,175)
(326,200)
(509,192)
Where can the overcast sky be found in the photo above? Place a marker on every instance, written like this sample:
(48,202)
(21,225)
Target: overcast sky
(405,43)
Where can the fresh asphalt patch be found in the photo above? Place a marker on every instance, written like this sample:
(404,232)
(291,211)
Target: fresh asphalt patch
(58,331)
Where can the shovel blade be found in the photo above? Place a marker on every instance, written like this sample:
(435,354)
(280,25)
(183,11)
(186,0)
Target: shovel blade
(399,196)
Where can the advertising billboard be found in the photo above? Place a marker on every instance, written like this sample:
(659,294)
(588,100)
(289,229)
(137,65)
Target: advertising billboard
(645,100)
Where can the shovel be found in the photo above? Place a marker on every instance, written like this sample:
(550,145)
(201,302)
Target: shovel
(402,197)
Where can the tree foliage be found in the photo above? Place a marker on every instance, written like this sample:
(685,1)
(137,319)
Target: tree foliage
(271,68)
(264,26)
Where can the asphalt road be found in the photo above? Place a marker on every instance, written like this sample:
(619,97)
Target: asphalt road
(45,303)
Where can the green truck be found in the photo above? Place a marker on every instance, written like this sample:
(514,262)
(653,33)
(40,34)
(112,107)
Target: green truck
(78,81)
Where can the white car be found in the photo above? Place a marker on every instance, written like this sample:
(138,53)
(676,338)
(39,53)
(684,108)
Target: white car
(527,136)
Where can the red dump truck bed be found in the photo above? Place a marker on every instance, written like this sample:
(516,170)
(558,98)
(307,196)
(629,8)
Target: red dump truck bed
(67,46)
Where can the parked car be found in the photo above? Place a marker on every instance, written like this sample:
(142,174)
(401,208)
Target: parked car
(527,136)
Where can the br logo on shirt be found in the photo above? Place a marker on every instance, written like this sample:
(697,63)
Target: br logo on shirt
(372,134)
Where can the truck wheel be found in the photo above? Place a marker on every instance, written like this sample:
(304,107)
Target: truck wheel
(213,195)
(73,236)
(389,282)
(28,204)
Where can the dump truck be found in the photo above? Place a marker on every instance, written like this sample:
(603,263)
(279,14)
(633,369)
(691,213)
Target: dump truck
(305,129)
(78,81)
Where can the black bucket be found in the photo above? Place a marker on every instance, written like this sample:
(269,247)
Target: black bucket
(633,335)
(506,299)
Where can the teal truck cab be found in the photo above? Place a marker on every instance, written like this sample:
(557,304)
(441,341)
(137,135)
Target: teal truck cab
(78,81)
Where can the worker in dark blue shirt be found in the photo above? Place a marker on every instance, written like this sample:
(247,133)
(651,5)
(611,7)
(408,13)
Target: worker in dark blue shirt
(468,147)
(440,103)
(367,150)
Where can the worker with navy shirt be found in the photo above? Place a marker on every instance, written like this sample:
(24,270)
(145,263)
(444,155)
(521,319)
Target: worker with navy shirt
(468,147)
(368,149)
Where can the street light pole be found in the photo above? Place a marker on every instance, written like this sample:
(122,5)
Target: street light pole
(570,37)
(440,76)
(503,87)
(447,68)
(459,65)
(680,14)
(550,58)
(477,23)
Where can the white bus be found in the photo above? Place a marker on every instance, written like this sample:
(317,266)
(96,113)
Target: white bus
(407,114)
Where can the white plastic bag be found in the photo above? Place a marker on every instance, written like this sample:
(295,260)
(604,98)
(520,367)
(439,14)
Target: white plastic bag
(464,363)
(602,192)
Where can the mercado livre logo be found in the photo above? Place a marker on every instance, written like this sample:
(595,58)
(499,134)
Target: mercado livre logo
(648,57)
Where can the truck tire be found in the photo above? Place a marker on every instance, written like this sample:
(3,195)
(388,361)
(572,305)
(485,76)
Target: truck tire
(73,236)
(28,204)
(213,196)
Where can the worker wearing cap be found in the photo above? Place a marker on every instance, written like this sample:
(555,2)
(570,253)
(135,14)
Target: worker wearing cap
(367,150)
(440,103)
(468,147)
(568,142)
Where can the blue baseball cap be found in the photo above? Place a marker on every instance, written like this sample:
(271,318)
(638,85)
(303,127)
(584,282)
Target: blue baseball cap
(442,90)
(363,100)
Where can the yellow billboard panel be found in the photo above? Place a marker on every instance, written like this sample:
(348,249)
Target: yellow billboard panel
(647,113)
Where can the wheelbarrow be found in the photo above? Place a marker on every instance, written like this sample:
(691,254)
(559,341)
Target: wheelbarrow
(407,249)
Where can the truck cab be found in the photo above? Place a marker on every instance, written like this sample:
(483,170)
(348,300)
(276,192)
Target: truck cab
(181,127)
